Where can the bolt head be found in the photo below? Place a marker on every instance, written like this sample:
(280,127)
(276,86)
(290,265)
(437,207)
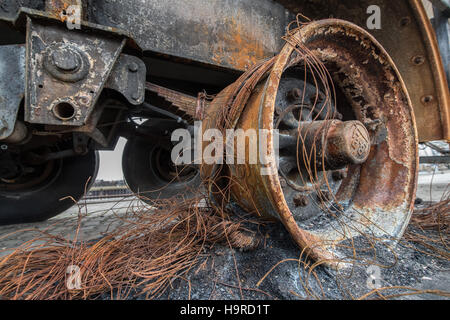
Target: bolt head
(301,200)
(135,96)
(4,147)
(133,67)
(339,175)
(66,60)
(294,94)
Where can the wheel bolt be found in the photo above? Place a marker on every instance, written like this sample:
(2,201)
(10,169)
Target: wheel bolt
(301,200)
(294,94)
(339,175)
(133,67)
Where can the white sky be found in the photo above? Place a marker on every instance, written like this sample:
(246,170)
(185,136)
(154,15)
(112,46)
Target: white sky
(111,163)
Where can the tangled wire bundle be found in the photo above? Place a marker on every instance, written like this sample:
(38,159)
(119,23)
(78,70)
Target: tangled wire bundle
(148,251)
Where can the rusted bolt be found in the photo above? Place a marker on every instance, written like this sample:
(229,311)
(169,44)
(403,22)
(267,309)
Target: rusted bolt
(66,60)
(427,99)
(372,112)
(339,175)
(418,60)
(294,94)
(133,67)
(301,200)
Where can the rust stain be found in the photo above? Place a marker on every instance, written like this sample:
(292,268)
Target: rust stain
(56,8)
(238,47)
(390,177)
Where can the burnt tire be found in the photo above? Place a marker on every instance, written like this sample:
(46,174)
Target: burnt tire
(149,173)
(67,179)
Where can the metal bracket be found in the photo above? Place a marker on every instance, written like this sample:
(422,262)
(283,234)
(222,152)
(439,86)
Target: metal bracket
(66,72)
(128,77)
(12,86)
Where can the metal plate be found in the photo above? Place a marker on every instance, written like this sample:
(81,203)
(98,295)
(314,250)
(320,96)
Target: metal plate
(236,34)
(12,86)
(229,33)
(128,77)
(66,68)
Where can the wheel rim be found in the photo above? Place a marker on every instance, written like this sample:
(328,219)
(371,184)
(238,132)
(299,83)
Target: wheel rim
(374,90)
(150,173)
(40,177)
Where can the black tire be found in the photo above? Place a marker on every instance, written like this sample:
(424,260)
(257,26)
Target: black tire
(143,178)
(44,201)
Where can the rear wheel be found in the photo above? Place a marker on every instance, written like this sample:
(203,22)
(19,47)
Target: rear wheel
(150,172)
(44,190)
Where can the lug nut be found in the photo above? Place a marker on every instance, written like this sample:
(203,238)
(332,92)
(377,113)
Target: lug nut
(294,94)
(301,200)
(339,175)
(133,67)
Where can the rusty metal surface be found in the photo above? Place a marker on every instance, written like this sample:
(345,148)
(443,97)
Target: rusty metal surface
(441,84)
(12,86)
(128,77)
(367,76)
(57,7)
(407,36)
(67,71)
(239,33)
(228,33)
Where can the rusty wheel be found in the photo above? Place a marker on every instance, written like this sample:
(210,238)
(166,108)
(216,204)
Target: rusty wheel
(347,153)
